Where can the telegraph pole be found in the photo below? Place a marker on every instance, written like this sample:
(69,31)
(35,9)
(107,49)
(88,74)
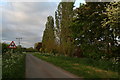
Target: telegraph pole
(19,39)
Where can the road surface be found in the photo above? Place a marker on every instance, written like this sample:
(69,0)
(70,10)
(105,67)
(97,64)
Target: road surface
(37,68)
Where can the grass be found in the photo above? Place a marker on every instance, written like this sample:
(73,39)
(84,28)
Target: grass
(82,67)
(0,66)
(13,65)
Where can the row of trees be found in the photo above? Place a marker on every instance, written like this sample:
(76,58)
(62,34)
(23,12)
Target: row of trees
(92,30)
(96,34)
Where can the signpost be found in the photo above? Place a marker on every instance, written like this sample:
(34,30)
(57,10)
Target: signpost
(12,46)
(19,47)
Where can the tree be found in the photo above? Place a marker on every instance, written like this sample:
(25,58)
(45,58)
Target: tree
(30,49)
(5,47)
(38,46)
(0,48)
(112,29)
(86,28)
(49,35)
(63,17)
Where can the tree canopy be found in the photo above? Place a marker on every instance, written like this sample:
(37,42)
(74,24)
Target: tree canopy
(92,30)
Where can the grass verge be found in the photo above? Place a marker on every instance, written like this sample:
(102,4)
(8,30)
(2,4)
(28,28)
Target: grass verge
(83,67)
(0,66)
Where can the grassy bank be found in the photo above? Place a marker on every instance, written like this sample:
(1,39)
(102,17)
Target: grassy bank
(83,67)
(0,66)
(13,65)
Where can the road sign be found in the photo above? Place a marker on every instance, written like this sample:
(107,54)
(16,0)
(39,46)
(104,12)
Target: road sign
(12,45)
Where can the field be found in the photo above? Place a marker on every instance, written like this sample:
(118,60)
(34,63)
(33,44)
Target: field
(83,67)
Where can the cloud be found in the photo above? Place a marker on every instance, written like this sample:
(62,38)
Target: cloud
(26,20)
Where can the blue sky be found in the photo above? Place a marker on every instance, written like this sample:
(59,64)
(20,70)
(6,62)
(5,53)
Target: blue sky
(26,20)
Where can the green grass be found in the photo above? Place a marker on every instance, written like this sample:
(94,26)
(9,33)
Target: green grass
(13,65)
(82,67)
(0,66)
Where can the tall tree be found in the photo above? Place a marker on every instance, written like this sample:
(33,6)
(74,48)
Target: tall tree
(63,17)
(112,29)
(86,27)
(48,40)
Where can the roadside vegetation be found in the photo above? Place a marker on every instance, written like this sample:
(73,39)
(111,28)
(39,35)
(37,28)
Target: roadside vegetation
(89,32)
(83,67)
(0,66)
(13,65)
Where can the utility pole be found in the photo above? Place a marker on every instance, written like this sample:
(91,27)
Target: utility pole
(19,39)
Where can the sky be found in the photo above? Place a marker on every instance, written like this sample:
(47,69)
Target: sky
(26,20)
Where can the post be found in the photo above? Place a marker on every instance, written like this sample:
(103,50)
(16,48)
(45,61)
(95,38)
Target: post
(19,44)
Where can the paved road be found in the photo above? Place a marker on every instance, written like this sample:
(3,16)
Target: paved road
(37,68)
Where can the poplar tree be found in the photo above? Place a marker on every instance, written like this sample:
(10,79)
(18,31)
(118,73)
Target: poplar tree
(48,41)
(63,17)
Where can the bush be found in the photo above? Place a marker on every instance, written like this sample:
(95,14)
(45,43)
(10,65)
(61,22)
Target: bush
(13,65)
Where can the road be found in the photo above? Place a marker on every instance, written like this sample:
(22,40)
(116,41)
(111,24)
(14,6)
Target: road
(37,68)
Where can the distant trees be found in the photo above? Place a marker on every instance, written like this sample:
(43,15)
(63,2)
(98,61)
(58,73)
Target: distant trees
(19,49)
(30,49)
(5,47)
(38,46)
